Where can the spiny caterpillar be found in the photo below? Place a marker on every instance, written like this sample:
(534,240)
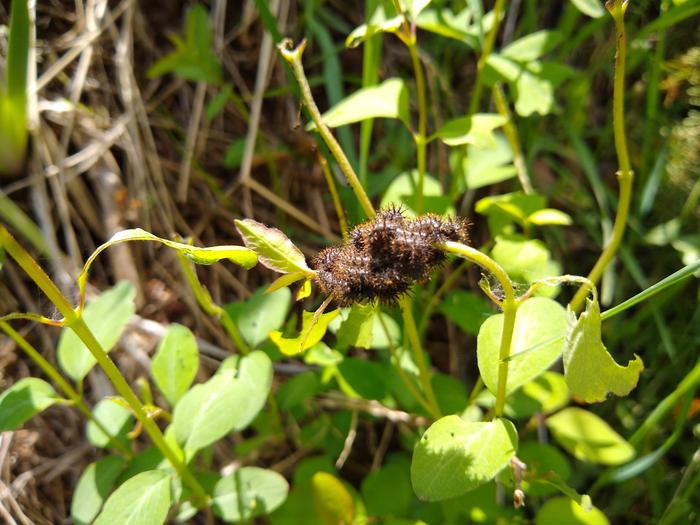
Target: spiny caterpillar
(384,256)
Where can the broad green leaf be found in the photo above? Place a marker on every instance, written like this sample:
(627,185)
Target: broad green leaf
(23,400)
(106,316)
(249,492)
(588,437)
(228,401)
(193,57)
(466,309)
(550,216)
(261,313)
(476,130)
(298,389)
(402,192)
(591,372)
(321,354)
(532,46)
(334,503)
(175,363)
(504,210)
(538,320)
(445,23)
(388,491)
(450,392)
(357,329)
(499,67)
(545,393)
(386,100)
(533,94)
(310,334)
(362,378)
(116,419)
(482,166)
(454,456)
(526,261)
(592,8)
(93,487)
(558,511)
(273,248)
(142,500)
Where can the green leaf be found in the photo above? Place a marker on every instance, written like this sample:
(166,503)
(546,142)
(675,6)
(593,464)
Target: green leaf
(525,261)
(23,400)
(503,210)
(93,487)
(285,280)
(545,393)
(321,355)
(228,401)
(483,166)
(273,248)
(542,459)
(334,503)
(532,46)
(476,130)
(450,392)
(455,456)
(386,100)
(591,372)
(362,378)
(357,329)
(261,313)
(558,511)
(381,22)
(141,500)
(590,8)
(215,106)
(466,309)
(106,316)
(387,491)
(538,320)
(249,492)
(115,418)
(298,389)
(550,216)
(588,437)
(533,94)
(175,363)
(402,192)
(193,58)
(308,336)
(445,23)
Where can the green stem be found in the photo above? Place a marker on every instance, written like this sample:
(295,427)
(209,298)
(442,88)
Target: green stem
(419,137)
(437,295)
(498,10)
(77,324)
(625,176)
(62,384)
(509,305)
(334,195)
(419,356)
(293,56)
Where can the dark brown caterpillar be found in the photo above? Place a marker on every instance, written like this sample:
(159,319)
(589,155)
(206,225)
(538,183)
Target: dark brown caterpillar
(385,256)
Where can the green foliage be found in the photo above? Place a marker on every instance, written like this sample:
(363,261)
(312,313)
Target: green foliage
(93,487)
(113,418)
(260,314)
(26,398)
(142,500)
(248,492)
(175,363)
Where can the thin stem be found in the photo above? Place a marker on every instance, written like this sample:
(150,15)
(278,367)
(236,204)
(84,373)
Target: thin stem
(509,305)
(419,137)
(625,175)
(293,56)
(334,195)
(437,295)
(498,9)
(512,135)
(419,356)
(62,384)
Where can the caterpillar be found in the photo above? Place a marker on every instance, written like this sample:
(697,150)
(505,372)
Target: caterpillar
(384,256)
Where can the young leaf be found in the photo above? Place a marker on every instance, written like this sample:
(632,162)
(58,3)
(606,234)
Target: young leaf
(308,336)
(260,313)
(23,400)
(141,500)
(175,363)
(93,487)
(115,418)
(588,437)
(274,249)
(565,510)
(334,503)
(454,456)
(549,216)
(106,316)
(228,401)
(591,372)
(387,100)
(476,130)
(532,46)
(357,329)
(538,320)
(249,492)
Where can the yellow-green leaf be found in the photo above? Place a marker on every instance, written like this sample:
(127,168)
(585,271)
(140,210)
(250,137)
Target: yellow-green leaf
(311,333)
(334,503)
(273,247)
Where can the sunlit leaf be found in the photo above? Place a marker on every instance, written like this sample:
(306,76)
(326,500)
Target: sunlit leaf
(116,419)
(309,335)
(476,130)
(565,510)
(93,487)
(273,248)
(357,329)
(548,216)
(141,500)
(532,46)
(175,363)
(333,502)
(261,313)
(248,492)
(23,400)
(592,8)
(402,192)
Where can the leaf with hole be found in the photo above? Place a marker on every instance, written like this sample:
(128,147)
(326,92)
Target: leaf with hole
(455,456)
(591,372)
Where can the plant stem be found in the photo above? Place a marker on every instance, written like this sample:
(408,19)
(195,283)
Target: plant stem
(81,329)
(509,305)
(625,175)
(419,137)
(293,56)
(334,195)
(498,9)
(419,356)
(437,295)
(63,385)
